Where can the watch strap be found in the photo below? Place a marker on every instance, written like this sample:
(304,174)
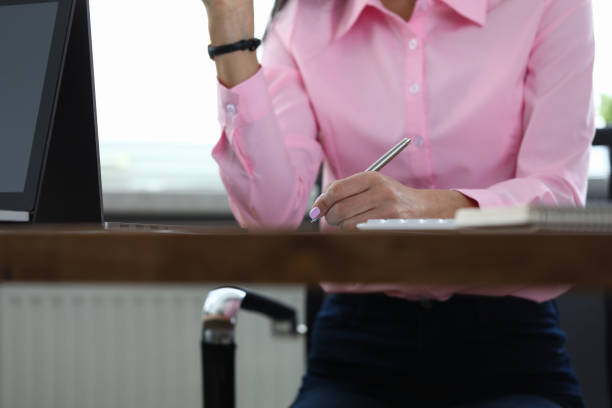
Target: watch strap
(251,44)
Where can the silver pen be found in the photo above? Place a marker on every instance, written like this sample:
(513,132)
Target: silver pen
(384,159)
(387,157)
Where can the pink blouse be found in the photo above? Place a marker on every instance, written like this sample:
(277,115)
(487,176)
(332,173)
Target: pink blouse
(496,95)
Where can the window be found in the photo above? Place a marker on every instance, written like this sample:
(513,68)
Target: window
(156,99)
(602,16)
(602,82)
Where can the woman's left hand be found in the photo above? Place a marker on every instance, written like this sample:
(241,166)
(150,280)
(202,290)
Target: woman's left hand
(372,195)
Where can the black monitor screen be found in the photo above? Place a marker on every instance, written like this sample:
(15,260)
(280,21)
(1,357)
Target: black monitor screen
(26,32)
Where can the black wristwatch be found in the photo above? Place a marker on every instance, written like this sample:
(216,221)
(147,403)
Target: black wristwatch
(251,44)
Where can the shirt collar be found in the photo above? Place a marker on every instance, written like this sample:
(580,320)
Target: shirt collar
(474,10)
(348,14)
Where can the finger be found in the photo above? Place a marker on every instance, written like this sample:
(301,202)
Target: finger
(384,210)
(342,189)
(350,207)
(350,224)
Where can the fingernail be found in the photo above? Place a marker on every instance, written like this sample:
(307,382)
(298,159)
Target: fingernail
(314,213)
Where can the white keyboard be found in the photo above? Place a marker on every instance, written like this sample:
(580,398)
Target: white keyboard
(417,224)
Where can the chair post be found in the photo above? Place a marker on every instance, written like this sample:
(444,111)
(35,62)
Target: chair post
(219,316)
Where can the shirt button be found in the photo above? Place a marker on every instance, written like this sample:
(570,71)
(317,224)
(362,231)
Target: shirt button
(413,44)
(230,108)
(419,141)
(414,88)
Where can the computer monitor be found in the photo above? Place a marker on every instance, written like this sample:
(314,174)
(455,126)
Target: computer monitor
(49,160)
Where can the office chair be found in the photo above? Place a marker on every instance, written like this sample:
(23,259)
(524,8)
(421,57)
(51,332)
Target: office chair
(219,318)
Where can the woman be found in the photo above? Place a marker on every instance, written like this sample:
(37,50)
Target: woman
(496,96)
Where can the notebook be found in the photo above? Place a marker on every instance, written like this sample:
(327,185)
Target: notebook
(592,219)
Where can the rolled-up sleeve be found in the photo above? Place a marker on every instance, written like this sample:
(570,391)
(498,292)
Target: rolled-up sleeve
(268,154)
(558,116)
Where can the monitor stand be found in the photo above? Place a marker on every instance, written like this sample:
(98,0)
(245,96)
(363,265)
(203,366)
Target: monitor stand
(70,189)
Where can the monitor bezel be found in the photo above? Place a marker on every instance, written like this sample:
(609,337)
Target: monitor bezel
(26,200)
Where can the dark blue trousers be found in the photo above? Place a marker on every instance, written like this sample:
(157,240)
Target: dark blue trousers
(378,351)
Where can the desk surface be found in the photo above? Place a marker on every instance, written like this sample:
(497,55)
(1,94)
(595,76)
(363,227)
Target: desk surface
(89,254)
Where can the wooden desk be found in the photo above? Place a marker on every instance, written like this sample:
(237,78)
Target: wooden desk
(69,254)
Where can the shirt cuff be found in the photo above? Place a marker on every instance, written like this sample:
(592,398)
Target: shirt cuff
(244,103)
(484,197)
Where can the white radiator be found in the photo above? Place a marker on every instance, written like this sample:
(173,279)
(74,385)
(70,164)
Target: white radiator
(132,346)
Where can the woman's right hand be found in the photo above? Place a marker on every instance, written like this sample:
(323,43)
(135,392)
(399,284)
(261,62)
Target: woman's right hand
(230,21)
